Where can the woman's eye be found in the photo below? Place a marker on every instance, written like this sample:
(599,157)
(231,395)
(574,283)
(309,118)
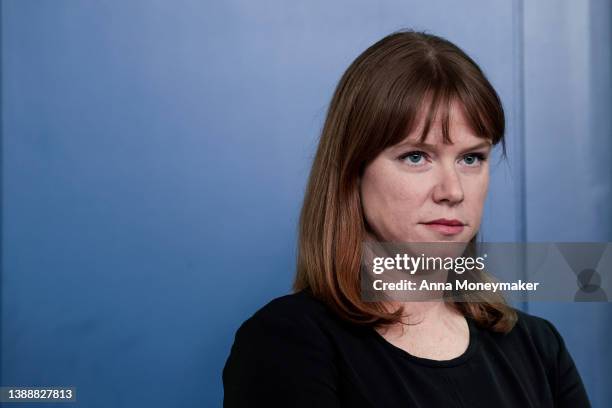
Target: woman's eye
(415,158)
(474,159)
(419,158)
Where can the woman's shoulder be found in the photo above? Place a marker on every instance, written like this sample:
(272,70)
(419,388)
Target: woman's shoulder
(539,332)
(289,315)
(564,378)
(301,304)
(536,325)
(281,352)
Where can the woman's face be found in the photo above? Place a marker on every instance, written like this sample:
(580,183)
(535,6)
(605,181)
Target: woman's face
(410,186)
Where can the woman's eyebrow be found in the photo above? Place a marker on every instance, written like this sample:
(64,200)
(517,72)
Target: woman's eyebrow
(434,146)
(478,146)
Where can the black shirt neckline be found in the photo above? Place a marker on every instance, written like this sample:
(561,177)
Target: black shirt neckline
(467,354)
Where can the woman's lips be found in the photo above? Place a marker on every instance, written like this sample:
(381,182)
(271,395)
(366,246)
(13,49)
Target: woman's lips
(445,229)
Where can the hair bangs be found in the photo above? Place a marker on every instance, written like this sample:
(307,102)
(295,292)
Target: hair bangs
(428,99)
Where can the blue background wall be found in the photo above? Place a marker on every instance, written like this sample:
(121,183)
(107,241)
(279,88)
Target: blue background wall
(154,156)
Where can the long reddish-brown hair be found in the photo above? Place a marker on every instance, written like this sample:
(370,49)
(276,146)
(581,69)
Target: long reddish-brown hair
(377,102)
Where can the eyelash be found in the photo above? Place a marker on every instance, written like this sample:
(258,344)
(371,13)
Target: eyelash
(480,156)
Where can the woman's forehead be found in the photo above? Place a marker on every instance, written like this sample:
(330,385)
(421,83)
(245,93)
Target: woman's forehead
(460,130)
(437,115)
(452,111)
(464,138)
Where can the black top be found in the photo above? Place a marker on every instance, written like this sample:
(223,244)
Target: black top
(294,352)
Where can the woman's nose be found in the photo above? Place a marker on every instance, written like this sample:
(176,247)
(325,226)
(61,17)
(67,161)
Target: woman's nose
(448,187)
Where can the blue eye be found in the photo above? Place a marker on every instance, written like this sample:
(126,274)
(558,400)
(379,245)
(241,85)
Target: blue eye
(474,159)
(413,158)
(418,158)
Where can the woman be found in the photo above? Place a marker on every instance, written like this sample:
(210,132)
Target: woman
(403,157)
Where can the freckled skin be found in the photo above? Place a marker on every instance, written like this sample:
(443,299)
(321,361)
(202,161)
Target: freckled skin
(398,195)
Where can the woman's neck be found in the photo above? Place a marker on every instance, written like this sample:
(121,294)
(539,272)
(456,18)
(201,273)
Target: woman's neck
(428,315)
